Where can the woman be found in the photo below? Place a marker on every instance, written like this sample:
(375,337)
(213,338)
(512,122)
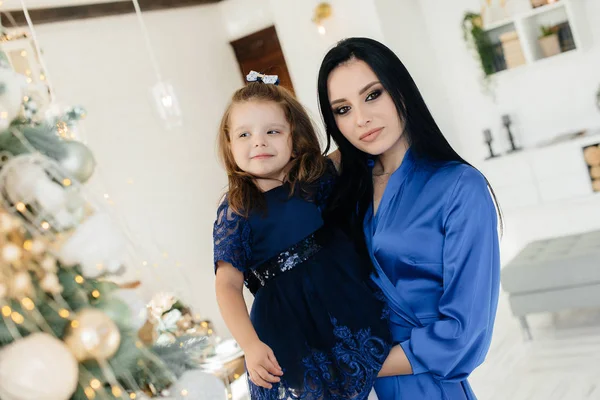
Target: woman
(427,216)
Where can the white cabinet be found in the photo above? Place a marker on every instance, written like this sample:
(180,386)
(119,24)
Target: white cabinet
(540,176)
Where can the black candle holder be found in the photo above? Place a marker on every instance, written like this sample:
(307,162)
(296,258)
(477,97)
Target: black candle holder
(507,123)
(488,140)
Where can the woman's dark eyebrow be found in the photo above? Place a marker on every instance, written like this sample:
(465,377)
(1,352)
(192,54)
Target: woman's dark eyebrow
(361,91)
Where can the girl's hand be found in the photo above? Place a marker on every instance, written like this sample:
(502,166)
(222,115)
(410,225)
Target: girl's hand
(263,368)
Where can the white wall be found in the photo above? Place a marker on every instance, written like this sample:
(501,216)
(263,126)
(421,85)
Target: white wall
(243,17)
(403,26)
(102,65)
(562,218)
(546,99)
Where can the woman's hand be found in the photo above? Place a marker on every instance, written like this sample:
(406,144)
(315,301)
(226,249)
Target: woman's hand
(396,363)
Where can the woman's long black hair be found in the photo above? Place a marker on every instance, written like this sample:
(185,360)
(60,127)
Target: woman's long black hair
(354,193)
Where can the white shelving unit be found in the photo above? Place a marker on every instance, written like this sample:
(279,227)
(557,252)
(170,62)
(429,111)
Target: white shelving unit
(533,178)
(527,22)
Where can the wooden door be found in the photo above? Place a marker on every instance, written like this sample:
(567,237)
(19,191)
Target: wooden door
(261,52)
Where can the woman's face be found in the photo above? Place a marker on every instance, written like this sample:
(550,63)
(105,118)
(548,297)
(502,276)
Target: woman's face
(364,111)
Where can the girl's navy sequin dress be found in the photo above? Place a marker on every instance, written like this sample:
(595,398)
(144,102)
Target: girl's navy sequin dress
(314,305)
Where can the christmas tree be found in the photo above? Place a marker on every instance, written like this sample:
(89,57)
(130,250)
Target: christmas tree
(64,331)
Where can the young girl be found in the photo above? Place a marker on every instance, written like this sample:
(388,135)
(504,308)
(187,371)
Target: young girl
(316,329)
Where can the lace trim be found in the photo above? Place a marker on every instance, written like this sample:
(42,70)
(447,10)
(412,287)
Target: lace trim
(232,238)
(385,311)
(347,371)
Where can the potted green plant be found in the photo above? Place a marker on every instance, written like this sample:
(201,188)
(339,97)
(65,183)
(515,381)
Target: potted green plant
(476,37)
(548,41)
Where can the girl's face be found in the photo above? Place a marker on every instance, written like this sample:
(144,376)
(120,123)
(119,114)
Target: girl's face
(364,111)
(261,139)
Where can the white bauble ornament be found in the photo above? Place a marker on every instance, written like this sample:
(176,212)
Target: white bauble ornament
(21,182)
(51,196)
(97,245)
(195,384)
(37,367)
(95,337)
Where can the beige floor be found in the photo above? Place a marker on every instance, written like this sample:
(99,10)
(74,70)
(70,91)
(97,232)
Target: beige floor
(562,362)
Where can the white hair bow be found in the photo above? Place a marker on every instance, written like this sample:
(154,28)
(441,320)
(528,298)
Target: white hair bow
(254,76)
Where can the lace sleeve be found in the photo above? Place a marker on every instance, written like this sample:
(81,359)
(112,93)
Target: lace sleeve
(231,238)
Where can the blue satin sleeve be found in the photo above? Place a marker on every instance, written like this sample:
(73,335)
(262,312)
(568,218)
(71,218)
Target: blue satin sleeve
(452,347)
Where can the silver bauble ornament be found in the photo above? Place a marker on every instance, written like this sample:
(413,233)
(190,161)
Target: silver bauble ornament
(77,160)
